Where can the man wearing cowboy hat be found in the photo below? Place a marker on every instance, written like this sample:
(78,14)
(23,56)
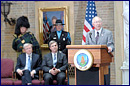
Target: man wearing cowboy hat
(61,37)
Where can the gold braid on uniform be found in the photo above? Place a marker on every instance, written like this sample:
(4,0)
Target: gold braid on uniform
(15,35)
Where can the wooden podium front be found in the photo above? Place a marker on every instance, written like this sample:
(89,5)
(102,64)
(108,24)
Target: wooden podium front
(101,56)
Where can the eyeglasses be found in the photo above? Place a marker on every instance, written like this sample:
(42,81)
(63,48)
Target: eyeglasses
(98,22)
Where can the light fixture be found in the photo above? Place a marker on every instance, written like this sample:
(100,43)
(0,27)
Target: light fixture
(5,10)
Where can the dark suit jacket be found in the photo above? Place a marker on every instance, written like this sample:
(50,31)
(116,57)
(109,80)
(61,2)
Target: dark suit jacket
(36,62)
(105,38)
(62,42)
(47,63)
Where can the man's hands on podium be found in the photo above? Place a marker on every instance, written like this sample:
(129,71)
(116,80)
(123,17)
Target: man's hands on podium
(109,49)
(54,71)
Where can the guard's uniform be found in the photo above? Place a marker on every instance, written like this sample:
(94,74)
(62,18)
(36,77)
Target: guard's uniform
(62,42)
(28,37)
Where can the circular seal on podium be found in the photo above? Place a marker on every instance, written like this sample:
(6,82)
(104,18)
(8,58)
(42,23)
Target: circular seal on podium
(83,60)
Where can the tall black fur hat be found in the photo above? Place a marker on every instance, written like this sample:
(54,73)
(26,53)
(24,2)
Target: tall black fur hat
(21,22)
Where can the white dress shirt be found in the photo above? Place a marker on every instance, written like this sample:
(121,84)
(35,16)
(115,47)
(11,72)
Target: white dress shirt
(26,66)
(53,60)
(53,57)
(97,31)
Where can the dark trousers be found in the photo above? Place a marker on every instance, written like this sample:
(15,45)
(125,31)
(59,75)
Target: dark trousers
(26,78)
(48,78)
(107,78)
(91,77)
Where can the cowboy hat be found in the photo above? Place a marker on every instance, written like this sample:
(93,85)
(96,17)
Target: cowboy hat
(58,22)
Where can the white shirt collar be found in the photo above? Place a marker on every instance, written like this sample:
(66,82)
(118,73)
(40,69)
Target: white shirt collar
(54,53)
(98,31)
(29,55)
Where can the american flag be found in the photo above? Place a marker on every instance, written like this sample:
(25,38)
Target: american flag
(46,26)
(45,30)
(90,13)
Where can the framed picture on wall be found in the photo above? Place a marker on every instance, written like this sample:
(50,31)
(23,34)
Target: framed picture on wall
(47,19)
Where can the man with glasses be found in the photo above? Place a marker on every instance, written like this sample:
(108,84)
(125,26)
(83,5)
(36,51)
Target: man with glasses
(100,36)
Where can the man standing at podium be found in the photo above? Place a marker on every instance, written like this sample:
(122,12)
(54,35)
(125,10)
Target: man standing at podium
(100,36)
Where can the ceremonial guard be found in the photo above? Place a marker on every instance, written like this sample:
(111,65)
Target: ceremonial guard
(21,36)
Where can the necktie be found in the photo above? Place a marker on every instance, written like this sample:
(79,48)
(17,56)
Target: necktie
(54,60)
(29,63)
(97,37)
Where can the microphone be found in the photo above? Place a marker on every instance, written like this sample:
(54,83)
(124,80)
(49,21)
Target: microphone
(90,35)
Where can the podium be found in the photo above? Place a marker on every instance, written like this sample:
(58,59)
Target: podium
(101,56)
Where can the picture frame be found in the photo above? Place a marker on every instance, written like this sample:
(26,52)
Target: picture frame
(46,16)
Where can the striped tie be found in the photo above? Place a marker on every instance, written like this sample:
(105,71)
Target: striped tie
(97,37)
(54,60)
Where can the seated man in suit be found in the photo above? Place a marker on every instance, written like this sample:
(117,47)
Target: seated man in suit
(28,65)
(54,65)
